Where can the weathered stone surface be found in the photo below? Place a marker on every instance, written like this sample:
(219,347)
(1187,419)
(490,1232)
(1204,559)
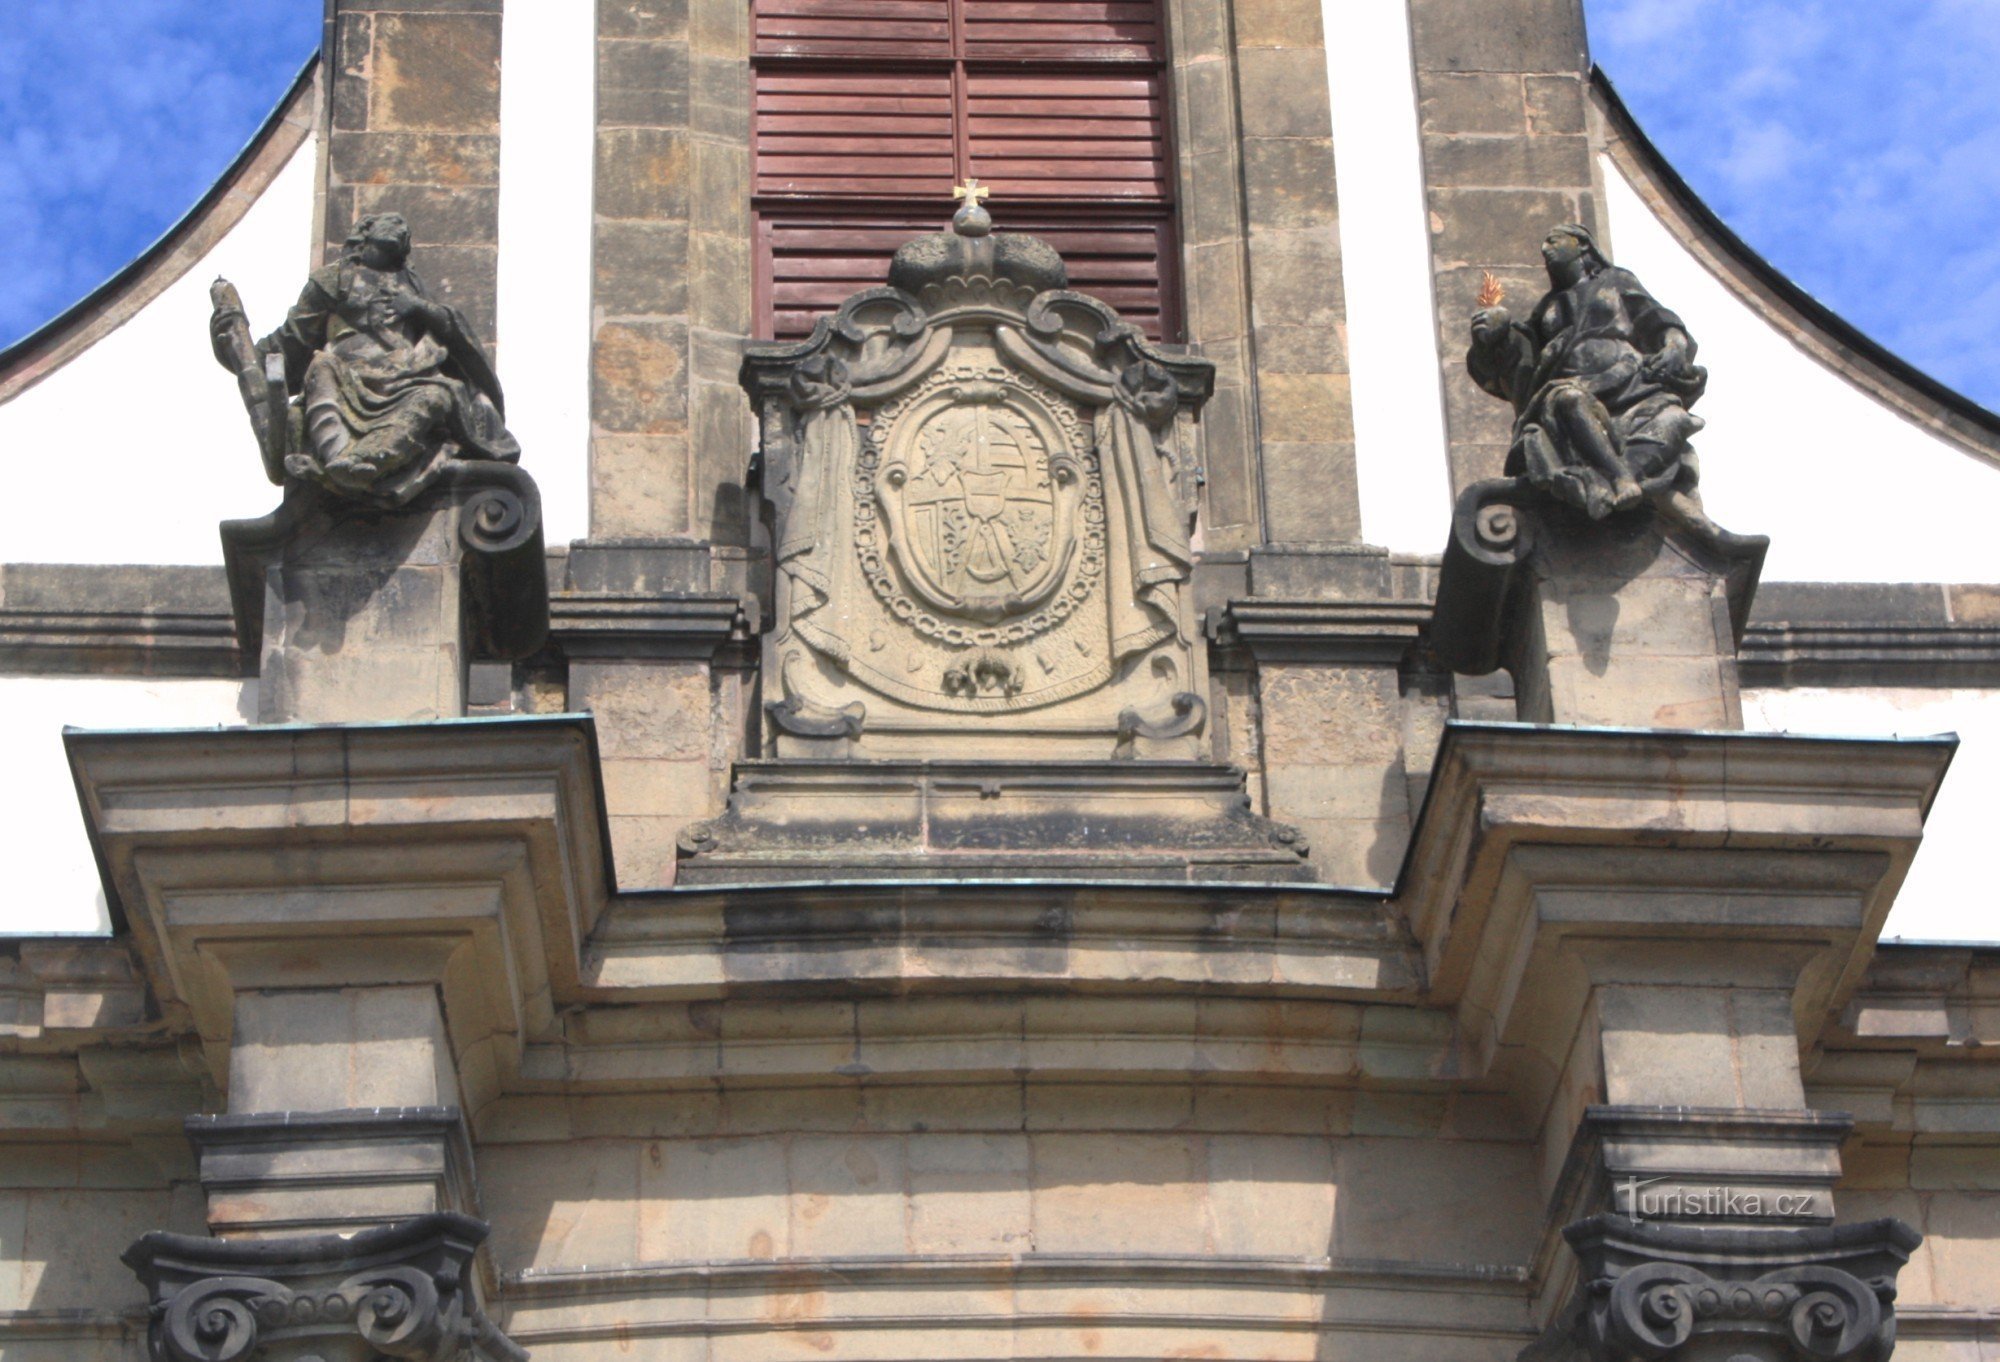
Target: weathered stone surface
(333,1049)
(1555,104)
(1499,162)
(641,18)
(1305,409)
(435,73)
(636,267)
(1283,92)
(1278,23)
(641,484)
(1504,35)
(642,173)
(637,377)
(812,819)
(1472,102)
(642,83)
(314,1171)
(1288,181)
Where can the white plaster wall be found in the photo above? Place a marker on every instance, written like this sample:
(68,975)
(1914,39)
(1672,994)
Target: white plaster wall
(547,129)
(1794,451)
(52,882)
(135,449)
(1952,893)
(1401,466)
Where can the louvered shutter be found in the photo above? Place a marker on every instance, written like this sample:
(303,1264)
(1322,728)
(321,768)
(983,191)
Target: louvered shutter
(869,111)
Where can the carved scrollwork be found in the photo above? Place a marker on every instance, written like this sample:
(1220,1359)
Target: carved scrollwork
(1657,1292)
(396,1292)
(397,1310)
(989,511)
(1187,713)
(219,1321)
(1820,1313)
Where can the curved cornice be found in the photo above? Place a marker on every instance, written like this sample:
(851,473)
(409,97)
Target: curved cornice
(118,299)
(1803,319)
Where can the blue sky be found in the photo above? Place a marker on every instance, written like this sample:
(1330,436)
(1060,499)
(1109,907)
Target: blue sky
(1856,143)
(115,116)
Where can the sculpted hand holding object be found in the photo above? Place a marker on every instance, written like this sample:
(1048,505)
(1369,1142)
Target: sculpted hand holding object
(1601,378)
(390,387)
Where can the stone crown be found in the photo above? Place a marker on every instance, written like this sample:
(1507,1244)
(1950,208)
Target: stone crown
(972,249)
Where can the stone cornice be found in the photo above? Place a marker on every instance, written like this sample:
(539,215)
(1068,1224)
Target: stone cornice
(616,625)
(1377,632)
(1777,844)
(346,854)
(1876,653)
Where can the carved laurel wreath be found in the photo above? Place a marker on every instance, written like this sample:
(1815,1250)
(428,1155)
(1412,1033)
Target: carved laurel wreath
(869,546)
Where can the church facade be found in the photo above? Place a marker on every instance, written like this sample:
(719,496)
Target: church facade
(916,679)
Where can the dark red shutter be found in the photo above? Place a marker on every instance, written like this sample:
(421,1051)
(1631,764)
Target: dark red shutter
(1062,30)
(853,28)
(826,132)
(869,111)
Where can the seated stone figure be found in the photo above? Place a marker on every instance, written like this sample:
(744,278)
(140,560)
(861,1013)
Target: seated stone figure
(1601,378)
(391,386)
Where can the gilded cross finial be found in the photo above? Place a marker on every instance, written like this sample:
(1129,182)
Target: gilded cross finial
(972,191)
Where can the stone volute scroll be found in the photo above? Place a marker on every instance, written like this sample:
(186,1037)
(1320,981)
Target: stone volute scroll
(1589,570)
(409,538)
(1688,1293)
(407,1290)
(982,488)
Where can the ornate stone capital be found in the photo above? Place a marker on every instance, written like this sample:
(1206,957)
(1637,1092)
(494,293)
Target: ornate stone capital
(404,1291)
(1660,1292)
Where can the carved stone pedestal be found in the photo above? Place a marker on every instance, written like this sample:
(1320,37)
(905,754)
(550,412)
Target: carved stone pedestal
(819,820)
(403,1291)
(1681,1293)
(359,614)
(1629,621)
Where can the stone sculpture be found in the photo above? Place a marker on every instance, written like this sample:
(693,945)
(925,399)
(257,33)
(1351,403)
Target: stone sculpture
(1598,518)
(391,386)
(1601,377)
(982,500)
(406,517)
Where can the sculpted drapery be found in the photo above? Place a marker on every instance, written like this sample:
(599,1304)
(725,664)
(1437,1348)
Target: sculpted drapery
(981,499)
(1600,376)
(391,384)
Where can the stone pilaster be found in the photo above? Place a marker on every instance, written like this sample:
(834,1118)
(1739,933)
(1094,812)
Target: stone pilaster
(1305,422)
(413,127)
(1500,88)
(1332,720)
(671,287)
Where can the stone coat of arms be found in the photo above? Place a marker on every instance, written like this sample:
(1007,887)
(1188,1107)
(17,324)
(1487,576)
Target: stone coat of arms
(983,487)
